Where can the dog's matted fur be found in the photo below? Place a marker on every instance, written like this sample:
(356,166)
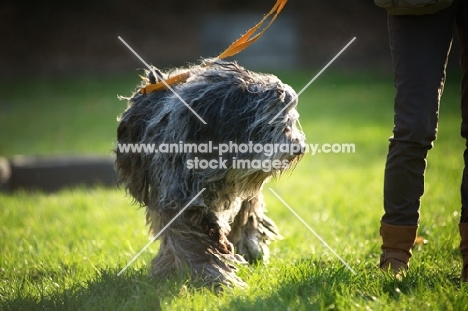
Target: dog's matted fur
(226,224)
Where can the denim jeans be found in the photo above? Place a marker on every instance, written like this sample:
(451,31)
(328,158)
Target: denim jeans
(420,46)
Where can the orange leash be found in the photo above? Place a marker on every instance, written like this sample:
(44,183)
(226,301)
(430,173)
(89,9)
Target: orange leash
(237,46)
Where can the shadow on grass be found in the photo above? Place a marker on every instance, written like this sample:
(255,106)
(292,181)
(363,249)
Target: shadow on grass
(303,285)
(319,285)
(134,290)
(314,284)
(419,279)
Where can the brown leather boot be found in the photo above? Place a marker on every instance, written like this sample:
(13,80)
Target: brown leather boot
(396,247)
(464,249)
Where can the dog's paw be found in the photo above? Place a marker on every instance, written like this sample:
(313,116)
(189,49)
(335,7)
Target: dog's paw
(220,271)
(252,240)
(211,269)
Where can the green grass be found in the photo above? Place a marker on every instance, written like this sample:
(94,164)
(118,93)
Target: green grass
(63,251)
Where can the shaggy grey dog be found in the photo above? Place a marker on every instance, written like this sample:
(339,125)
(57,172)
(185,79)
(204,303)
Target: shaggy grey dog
(226,224)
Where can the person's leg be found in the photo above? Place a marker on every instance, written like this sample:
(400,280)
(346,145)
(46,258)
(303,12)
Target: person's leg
(463,227)
(419,47)
(462,28)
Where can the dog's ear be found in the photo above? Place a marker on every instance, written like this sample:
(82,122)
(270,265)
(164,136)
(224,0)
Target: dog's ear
(132,167)
(132,172)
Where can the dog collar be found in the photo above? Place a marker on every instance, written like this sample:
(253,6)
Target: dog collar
(237,46)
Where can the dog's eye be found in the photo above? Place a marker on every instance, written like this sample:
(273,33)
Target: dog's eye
(287,129)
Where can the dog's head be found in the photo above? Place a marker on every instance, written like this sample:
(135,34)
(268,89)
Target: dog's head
(250,133)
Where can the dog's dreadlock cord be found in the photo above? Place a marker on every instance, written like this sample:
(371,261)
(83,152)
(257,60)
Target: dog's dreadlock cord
(237,46)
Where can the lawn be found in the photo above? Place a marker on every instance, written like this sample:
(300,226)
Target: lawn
(62,251)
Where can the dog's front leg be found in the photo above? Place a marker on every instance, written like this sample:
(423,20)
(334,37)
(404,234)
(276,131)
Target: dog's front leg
(252,231)
(197,241)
